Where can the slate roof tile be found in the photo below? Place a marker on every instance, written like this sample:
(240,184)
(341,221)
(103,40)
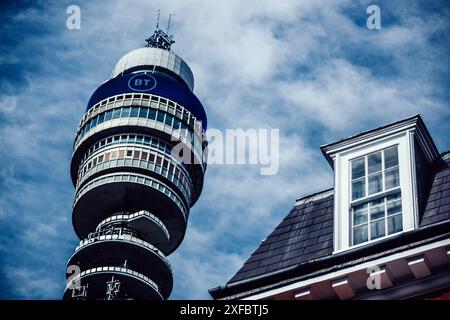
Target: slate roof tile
(438,204)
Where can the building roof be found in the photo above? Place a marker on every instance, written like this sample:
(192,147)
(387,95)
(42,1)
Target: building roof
(438,204)
(306,233)
(305,236)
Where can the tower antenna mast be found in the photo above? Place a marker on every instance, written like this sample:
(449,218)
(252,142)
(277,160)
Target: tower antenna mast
(161,39)
(157,18)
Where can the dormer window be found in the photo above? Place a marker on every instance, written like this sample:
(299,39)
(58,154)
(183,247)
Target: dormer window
(378,181)
(376,207)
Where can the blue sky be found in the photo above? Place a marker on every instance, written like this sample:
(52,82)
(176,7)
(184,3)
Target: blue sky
(309,68)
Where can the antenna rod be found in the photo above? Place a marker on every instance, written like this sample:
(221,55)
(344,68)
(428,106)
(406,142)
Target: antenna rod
(168,23)
(157,18)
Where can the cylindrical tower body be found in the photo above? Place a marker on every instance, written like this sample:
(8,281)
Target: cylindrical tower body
(138,165)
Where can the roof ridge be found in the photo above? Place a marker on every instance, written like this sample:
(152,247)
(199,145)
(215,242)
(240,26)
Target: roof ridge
(314,196)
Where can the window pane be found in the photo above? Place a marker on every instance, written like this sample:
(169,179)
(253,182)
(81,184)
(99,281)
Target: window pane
(393,197)
(395,224)
(358,189)
(125,112)
(374,162)
(87,126)
(168,120)
(176,123)
(101,117)
(394,207)
(108,115)
(116,113)
(377,209)
(360,234)
(391,178)
(94,122)
(375,184)
(151,114)
(390,157)
(358,168)
(143,112)
(160,116)
(377,229)
(360,214)
(134,112)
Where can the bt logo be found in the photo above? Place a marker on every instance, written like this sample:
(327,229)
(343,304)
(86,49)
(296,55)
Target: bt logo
(142,82)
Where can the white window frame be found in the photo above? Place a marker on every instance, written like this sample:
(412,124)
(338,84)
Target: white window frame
(342,199)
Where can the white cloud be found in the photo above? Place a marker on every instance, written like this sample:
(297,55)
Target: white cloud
(8,104)
(32,283)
